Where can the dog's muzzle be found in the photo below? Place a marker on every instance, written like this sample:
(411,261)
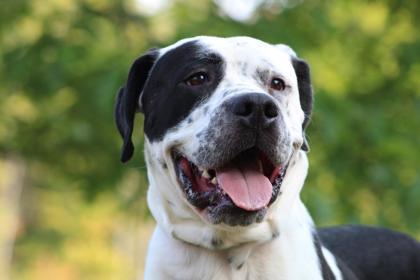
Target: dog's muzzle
(238,170)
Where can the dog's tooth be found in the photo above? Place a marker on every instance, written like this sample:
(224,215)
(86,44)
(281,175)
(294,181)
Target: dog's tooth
(214,181)
(205,174)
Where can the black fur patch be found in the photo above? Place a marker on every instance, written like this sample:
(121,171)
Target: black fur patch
(127,100)
(166,99)
(216,242)
(373,253)
(275,234)
(326,271)
(305,93)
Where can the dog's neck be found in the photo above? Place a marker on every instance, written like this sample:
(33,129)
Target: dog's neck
(292,253)
(286,236)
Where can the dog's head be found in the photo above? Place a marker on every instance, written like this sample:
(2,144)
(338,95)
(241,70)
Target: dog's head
(222,119)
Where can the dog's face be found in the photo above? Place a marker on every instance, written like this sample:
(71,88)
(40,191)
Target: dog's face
(222,119)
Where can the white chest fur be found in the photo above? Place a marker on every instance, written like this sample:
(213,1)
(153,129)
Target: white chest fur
(291,255)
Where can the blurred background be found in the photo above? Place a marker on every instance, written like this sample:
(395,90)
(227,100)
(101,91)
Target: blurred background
(70,210)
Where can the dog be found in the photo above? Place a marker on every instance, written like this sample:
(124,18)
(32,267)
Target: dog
(225,147)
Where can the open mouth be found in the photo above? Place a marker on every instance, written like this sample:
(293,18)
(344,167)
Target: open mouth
(249,182)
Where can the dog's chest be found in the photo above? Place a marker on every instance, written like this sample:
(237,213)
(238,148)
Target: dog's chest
(270,261)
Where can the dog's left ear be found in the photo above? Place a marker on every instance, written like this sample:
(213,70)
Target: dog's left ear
(128,100)
(305,94)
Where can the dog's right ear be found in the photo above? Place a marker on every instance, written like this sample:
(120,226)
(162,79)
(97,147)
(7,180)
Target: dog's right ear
(305,94)
(128,100)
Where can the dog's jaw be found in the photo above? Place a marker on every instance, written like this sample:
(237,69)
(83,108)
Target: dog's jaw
(178,219)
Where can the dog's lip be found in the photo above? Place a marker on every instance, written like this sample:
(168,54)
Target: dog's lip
(202,189)
(266,162)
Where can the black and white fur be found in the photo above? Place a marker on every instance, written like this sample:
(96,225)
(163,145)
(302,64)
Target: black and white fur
(279,243)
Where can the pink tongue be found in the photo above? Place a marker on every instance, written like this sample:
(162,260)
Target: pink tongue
(245,184)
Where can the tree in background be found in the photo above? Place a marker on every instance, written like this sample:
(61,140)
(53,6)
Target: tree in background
(62,62)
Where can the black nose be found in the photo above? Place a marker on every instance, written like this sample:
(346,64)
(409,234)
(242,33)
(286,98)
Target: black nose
(254,110)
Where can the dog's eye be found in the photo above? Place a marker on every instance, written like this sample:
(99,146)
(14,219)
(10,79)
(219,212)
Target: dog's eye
(277,84)
(197,79)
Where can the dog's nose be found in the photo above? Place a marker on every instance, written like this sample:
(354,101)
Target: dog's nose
(254,110)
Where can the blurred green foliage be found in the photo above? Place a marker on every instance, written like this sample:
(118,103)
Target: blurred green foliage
(62,62)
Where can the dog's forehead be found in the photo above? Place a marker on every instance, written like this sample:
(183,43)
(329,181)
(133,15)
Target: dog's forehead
(244,51)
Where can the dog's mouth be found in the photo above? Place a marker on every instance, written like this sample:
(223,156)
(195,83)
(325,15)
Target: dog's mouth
(247,184)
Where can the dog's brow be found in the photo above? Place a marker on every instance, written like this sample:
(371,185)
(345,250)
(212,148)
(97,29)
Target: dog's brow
(203,60)
(209,58)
